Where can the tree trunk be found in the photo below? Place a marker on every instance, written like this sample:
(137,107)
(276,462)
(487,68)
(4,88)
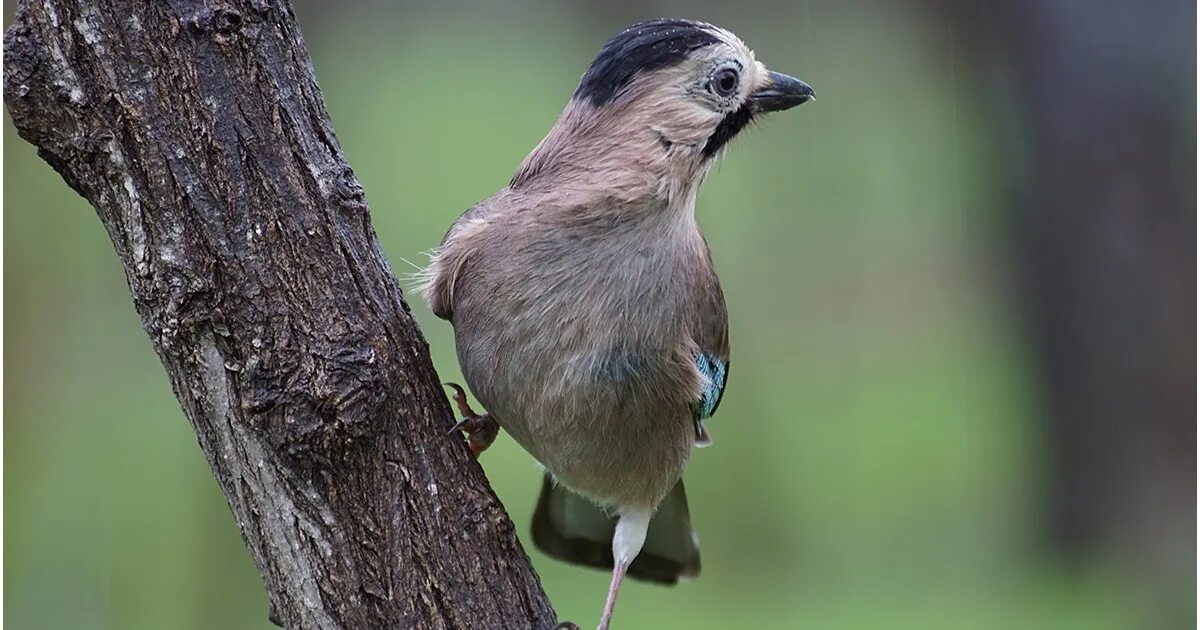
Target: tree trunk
(1102,204)
(197,130)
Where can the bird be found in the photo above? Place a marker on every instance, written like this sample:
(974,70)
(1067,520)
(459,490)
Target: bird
(588,318)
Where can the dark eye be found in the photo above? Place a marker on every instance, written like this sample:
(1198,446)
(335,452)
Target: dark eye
(725,82)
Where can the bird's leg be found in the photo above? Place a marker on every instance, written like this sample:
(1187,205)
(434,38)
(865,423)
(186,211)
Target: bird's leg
(617,577)
(481,430)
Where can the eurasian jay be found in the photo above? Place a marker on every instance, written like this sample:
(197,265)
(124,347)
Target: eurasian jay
(587,315)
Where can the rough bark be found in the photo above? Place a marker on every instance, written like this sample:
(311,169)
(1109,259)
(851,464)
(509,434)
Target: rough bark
(199,134)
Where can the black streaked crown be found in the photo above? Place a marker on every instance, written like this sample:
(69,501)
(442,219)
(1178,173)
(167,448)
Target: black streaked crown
(643,47)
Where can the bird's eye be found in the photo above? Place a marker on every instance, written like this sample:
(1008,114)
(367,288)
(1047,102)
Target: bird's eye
(725,82)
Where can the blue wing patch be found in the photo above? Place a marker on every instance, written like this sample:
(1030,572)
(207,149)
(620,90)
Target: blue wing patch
(716,371)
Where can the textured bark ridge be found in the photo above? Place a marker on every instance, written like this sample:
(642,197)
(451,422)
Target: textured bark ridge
(199,134)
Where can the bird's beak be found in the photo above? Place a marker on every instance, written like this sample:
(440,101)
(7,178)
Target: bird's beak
(782,93)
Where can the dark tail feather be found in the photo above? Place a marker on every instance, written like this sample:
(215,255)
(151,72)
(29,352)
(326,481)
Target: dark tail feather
(571,528)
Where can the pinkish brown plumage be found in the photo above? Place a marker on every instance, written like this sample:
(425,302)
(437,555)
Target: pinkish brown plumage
(587,315)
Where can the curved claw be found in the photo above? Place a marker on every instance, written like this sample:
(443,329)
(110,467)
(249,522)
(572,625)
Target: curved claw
(462,425)
(460,399)
(481,430)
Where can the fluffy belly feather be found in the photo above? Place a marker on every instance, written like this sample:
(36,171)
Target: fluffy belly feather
(609,419)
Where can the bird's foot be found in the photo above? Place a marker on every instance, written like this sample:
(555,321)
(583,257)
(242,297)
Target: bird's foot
(481,429)
(566,625)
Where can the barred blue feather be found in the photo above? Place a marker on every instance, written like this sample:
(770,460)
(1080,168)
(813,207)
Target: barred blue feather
(716,371)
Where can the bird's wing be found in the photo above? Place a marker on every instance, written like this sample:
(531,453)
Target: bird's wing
(711,334)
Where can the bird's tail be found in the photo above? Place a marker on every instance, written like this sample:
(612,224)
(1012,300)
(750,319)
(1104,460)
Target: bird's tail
(571,528)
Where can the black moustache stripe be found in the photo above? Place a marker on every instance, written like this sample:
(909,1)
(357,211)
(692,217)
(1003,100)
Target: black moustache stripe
(732,124)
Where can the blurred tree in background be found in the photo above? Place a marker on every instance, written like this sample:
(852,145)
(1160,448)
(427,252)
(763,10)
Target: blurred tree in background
(961,290)
(1102,200)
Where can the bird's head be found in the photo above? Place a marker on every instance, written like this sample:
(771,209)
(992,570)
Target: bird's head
(656,108)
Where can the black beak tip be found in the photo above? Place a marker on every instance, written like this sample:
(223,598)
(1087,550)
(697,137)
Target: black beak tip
(784,92)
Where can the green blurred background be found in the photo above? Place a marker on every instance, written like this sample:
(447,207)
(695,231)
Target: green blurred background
(907,439)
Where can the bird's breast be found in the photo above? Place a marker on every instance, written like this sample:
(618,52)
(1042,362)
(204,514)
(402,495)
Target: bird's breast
(578,344)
